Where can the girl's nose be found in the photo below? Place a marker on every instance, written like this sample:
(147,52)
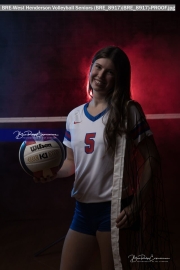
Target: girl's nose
(101,73)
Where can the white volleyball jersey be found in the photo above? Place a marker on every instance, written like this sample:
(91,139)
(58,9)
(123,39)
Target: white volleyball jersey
(93,166)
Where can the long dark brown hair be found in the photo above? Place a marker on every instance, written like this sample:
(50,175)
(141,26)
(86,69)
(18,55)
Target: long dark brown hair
(118,96)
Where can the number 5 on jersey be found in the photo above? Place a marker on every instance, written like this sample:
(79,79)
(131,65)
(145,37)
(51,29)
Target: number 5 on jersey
(89,141)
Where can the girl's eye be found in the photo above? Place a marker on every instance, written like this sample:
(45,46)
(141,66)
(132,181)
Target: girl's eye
(98,67)
(110,72)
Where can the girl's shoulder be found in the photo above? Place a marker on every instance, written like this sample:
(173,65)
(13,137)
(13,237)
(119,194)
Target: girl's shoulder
(77,109)
(134,108)
(76,114)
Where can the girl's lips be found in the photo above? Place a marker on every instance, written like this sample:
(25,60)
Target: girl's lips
(99,83)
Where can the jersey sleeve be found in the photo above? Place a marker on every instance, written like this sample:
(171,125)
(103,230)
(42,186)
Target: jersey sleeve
(137,124)
(74,116)
(67,136)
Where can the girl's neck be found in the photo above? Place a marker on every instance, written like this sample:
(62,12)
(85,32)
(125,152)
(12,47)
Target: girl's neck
(98,100)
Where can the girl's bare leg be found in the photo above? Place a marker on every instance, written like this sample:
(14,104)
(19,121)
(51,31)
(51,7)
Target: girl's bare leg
(104,241)
(77,251)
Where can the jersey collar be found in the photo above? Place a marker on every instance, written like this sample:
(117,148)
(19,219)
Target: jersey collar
(93,118)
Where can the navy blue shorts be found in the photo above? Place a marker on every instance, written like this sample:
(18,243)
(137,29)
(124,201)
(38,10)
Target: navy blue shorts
(91,217)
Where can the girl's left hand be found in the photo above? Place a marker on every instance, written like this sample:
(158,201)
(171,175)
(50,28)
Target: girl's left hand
(126,218)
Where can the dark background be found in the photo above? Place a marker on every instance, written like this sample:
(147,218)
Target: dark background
(44,61)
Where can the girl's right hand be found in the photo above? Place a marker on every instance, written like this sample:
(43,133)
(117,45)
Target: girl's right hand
(44,180)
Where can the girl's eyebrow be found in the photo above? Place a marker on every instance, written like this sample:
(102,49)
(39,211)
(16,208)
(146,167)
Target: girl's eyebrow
(107,69)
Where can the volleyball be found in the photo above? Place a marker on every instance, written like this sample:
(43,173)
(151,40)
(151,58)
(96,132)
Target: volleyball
(41,158)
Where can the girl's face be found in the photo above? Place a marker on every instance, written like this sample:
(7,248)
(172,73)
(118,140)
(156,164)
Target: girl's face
(102,75)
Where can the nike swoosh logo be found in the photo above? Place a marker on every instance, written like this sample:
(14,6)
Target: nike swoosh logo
(76,122)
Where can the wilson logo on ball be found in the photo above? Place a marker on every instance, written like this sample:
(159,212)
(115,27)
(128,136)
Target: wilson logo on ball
(39,146)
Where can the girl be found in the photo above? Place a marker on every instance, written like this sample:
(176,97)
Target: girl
(111,150)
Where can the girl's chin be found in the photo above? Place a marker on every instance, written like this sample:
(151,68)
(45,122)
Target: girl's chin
(97,87)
